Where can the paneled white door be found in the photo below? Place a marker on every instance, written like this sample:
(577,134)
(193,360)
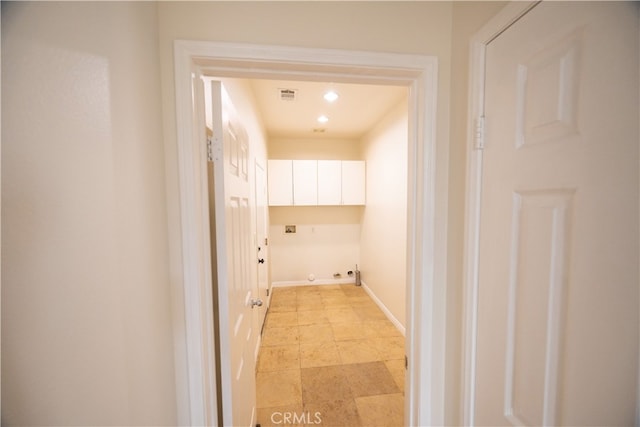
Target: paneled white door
(234,261)
(557,340)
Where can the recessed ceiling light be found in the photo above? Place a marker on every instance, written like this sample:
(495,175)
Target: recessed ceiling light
(323,119)
(331,96)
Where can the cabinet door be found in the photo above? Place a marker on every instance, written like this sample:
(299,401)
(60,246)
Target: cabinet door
(353,182)
(280,182)
(329,182)
(305,182)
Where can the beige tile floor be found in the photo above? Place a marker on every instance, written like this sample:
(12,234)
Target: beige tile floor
(329,357)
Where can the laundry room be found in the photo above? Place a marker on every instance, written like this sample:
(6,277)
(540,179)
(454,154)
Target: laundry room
(337,186)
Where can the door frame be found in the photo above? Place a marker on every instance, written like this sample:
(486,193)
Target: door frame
(427,210)
(258,165)
(506,17)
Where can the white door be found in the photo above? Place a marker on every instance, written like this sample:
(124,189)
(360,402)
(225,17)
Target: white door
(557,339)
(234,261)
(262,242)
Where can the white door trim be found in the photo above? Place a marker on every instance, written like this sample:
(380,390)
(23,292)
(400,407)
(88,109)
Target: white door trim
(427,209)
(475,138)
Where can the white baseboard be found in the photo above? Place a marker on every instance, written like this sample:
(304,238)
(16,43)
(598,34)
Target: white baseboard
(384,309)
(346,281)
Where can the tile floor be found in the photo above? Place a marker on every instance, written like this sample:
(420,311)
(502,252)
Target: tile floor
(329,357)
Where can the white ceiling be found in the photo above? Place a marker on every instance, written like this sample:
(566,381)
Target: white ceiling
(354,113)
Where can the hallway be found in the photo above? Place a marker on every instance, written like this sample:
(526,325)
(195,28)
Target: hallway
(329,357)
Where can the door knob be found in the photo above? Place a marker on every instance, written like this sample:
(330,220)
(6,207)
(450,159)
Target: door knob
(256,302)
(260,260)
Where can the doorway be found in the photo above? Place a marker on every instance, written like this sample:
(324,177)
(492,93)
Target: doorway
(324,337)
(427,196)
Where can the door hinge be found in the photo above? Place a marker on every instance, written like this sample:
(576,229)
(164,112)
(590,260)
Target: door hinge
(266,241)
(210,149)
(478,133)
(267,292)
(406,362)
(214,148)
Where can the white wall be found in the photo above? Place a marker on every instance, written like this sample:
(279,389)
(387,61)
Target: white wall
(327,241)
(383,240)
(86,320)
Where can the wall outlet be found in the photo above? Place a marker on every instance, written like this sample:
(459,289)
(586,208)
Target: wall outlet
(289,228)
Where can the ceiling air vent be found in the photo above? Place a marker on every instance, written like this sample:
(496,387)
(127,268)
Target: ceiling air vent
(287,94)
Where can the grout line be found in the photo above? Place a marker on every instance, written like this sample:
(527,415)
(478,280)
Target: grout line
(342,364)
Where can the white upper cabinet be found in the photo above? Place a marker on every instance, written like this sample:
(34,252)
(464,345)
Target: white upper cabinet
(280,173)
(305,182)
(316,182)
(329,182)
(353,182)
